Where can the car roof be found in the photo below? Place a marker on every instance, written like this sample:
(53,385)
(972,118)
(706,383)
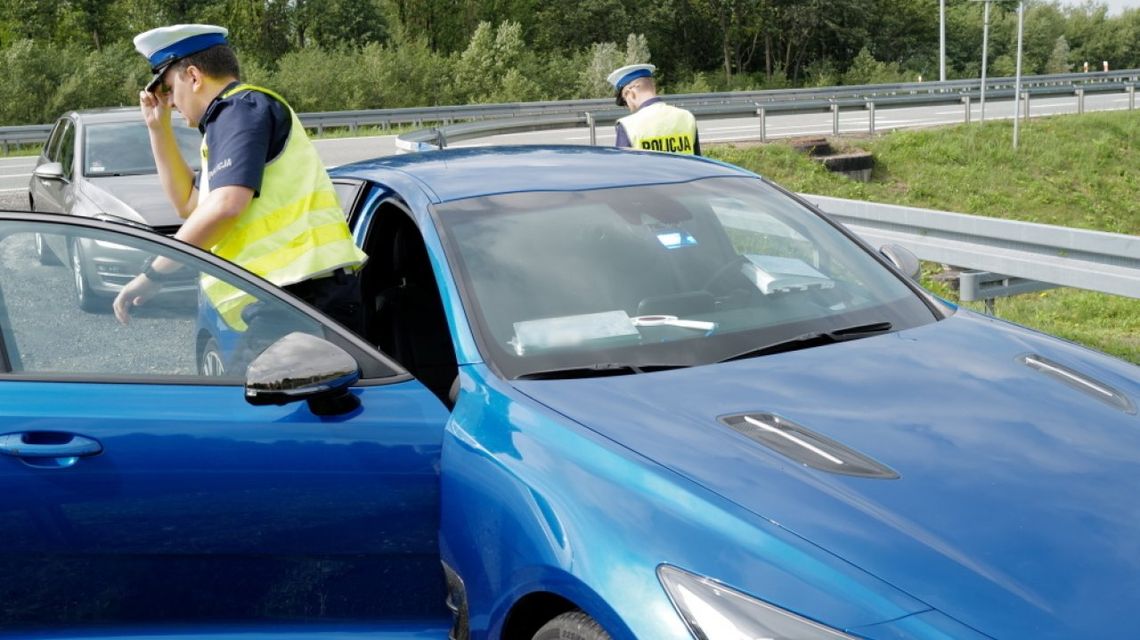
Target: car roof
(455,174)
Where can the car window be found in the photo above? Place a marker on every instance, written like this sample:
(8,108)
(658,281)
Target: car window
(206,323)
(661,275)
(51,147)
(67,151)
(123,148)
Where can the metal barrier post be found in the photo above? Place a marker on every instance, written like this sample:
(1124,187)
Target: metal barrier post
(1080,101)
(835,118)
(763,115)
(966,101)
(1025,115)
(1131,97)
(593,129)
(871,117)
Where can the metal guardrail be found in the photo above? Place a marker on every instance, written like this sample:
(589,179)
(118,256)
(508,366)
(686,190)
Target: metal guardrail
(785,100)
(1020,251)
(893,96)
(23,135)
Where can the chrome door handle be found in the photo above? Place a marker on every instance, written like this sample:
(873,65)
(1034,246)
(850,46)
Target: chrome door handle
(61,445)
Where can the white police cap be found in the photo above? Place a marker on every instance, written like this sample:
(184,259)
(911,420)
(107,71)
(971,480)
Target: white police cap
(623,76)
(166,45)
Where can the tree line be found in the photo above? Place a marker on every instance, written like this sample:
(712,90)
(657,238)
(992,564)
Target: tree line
(327,55)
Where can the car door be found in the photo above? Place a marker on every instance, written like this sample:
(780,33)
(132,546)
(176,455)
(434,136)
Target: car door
(135,489)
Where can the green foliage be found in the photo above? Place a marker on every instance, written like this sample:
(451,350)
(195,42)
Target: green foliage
(1059,59)
(98,82)
(866,70)
(31,72)
(302,78)
(380,53)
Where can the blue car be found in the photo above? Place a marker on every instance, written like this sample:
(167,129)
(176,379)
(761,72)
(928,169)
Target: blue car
(602,394)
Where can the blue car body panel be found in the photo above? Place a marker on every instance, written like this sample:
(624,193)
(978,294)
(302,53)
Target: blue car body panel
(979,444)
(199,499)
(1007,516)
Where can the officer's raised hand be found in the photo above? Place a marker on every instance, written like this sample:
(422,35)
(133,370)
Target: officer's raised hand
(156,107)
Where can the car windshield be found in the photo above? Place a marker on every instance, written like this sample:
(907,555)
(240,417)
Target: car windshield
(662,276)
(123,149)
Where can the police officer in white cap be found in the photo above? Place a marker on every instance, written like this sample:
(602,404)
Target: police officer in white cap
(653,125)
(257,164)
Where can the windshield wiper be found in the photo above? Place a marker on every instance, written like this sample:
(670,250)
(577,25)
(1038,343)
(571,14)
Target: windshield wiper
(597,370)
(813,339)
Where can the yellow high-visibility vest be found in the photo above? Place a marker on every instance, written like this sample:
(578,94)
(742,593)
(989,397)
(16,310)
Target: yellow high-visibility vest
(661,127)
(295,229)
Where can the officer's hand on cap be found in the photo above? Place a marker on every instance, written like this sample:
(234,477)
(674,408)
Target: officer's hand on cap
(155,108)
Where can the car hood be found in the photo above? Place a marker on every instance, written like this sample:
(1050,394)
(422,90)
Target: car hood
(1013,509)
(137,198)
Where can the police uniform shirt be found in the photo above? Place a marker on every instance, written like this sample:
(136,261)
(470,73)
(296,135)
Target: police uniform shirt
(243,132)
(623,137)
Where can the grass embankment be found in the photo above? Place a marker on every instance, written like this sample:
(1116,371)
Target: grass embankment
(1074,171)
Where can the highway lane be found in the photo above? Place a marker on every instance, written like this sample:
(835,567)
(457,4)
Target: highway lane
(16,172)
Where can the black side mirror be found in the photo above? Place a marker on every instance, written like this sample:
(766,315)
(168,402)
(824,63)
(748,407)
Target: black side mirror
(304,367)
(903,259)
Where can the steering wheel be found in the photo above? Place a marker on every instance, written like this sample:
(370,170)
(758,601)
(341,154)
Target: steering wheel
(721,281)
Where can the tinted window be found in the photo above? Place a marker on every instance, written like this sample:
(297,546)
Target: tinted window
(67,151)
(581,278)
(51,147)
(123,148)
(179,333)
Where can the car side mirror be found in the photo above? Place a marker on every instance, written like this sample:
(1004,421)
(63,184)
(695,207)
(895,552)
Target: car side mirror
(301,366)
(49,171)
(903,259)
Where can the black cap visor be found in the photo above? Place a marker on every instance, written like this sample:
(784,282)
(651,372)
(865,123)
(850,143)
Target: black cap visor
(157,79)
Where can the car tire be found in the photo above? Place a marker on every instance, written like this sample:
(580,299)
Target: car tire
(573,625)
(210,363)
(86,297)
(44,254)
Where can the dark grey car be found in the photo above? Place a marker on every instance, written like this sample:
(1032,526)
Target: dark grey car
(98,163)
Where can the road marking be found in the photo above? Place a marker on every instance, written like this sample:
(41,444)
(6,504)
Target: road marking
(10,190)
(16,175)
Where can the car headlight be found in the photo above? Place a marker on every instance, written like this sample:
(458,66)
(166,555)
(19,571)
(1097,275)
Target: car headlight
(715,612)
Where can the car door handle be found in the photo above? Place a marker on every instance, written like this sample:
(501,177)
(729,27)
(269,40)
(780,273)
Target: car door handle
(48,445)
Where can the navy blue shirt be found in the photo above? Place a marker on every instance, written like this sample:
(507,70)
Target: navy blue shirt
(243,132)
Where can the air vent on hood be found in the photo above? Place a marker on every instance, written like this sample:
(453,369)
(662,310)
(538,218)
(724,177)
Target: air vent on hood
(1079,381)
(806,447)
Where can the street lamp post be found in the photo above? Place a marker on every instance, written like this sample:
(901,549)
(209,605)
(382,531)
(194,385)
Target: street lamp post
(942,40)
(985,53)
(1017,80)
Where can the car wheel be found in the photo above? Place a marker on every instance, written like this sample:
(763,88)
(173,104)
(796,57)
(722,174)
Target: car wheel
(44,254)
(85,296)
(574,625)
(210,362)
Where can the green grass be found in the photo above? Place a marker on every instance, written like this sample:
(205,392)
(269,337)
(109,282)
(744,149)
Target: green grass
(17,150)
(1074,171)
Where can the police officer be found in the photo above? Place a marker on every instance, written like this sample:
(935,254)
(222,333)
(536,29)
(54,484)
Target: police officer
(262,198)
(653,125)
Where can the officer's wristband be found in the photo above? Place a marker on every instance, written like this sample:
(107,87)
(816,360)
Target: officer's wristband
(154,275)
